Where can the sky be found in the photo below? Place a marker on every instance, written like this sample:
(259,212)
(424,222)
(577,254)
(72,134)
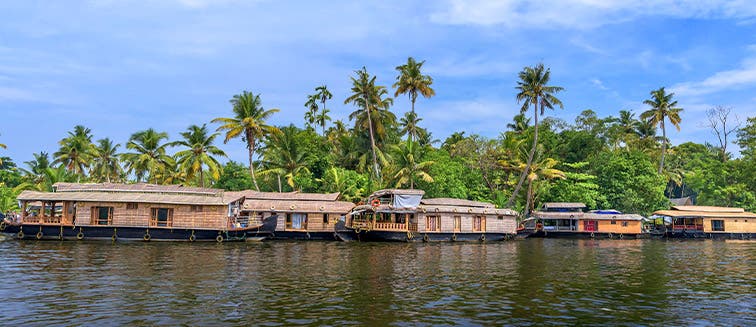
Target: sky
(118,67)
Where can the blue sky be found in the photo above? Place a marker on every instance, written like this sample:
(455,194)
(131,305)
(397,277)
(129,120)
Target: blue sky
(123,66)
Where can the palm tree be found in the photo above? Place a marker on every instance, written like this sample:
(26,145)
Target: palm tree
(323,94)
(409,169)
(249,123)
(534,90)
(412,82)
(75,151)
(312,110)
(368,97)
(519,123)
(284,157)
(37,167)
(106,163)
(541,170)
(149,156)
(200,153)
(409,126)
(662,107)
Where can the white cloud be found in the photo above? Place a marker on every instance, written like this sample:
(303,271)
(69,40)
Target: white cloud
(744,76)
(599,84)
(583,14)
(472,66)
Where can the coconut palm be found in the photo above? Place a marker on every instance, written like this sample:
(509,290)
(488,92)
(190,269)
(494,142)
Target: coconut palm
(149,157)
(408,123)
(662,108)
(368,97)
(534,91)
(75,151)
(106,165)
(199,154)
(37,167)
(541,170)
(412,82)
(284,157)
(249,123)
(408,168)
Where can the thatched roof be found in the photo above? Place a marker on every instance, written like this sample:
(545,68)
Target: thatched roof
(396,191)
(441,209)
(563,205)
(143,197)
(708,209)
(455,202)
(603,216)
(557,215)
(250,194)
(138,187)
(681,201)
(340,207)
(705,211)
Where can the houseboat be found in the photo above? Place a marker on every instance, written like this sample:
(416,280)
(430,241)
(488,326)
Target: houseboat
(302,216)
(403,215)
(568,220)
(144,212)
(708,222)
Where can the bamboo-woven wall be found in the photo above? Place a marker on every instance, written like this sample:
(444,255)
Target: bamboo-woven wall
(211,217)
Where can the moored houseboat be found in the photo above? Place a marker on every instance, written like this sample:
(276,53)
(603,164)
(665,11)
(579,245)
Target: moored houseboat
(403,215)
(302,216)
(568,220)
(140,211)
(708,222)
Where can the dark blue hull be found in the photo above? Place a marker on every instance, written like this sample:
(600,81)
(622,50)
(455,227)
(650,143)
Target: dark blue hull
(313,236)
(585,235)
(391,236)
(704,235)
(116,233)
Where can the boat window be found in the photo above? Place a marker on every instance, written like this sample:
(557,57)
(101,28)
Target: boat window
(433,223)
(195,208)
(325,218)
(717,225)
(457,223)
(132,206)
(102,215)
(614,222)
(161,217)
(624,224)
(296,220)
(479,223)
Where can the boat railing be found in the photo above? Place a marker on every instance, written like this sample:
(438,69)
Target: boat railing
(390,226)
(558,228)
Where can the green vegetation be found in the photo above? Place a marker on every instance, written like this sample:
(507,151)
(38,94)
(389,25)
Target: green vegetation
(605,162)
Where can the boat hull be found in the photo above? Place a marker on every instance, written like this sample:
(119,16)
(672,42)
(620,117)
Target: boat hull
(705,235)
(403,236)
(120,233)
(585,235)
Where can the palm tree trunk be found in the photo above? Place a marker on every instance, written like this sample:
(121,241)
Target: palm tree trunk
(202,177)
(664,146)
(372,139)
(412,130)
(529,201)
(279,183)
(530,157)
(251,149)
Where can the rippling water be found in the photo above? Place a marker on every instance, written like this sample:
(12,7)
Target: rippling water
(531,282)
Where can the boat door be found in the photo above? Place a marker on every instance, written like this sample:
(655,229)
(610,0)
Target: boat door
(590,225)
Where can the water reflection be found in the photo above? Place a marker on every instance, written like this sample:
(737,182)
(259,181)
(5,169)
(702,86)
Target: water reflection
(532,282)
